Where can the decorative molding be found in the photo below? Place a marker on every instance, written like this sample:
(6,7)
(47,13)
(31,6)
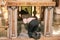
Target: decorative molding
(30,3)
(12,7)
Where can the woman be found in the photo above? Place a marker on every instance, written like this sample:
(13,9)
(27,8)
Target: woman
(32,24)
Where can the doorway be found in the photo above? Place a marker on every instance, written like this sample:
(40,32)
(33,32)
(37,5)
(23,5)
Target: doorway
(21,27)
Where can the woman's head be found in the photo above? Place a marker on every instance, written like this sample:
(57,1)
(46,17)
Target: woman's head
(25,16)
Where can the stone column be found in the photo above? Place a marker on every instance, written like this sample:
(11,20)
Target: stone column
(13,21)
(32,10)
(45,20)
(48,21)
(10,21)
(38,9)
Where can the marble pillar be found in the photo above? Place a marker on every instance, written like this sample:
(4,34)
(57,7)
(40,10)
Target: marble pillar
(38,9)
(10,21)
(48,21)
(13,21)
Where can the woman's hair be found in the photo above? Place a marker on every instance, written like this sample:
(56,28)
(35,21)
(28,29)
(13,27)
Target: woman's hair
(26,15)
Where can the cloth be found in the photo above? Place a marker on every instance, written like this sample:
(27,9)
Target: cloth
(27,20)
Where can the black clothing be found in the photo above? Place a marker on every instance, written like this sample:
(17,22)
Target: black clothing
(32,29)
(33,25)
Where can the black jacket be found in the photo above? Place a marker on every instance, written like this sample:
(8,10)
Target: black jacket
(33,25)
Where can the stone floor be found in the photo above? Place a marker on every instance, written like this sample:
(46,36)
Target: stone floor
(42,38)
